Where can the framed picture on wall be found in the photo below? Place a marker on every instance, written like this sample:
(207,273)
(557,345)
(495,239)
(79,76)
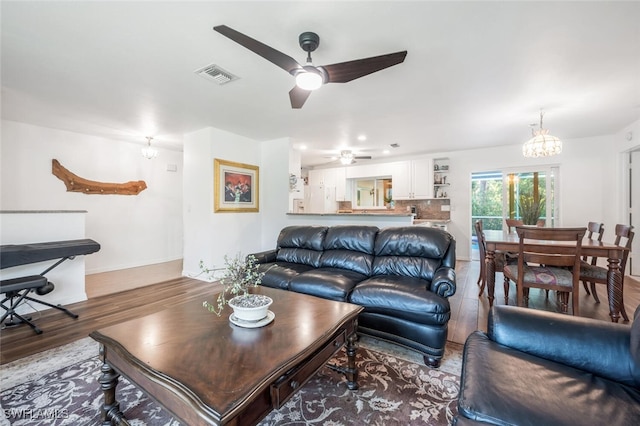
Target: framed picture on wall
(235,187)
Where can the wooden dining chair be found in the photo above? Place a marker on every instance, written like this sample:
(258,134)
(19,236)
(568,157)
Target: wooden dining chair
(595,232)
(590,272)
(548,266)
(512,223)
(501,258)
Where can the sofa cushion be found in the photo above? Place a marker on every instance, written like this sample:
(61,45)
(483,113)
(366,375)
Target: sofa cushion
(402,297)
(348,260)
(306,237)
(350,247)
(501,385)
(414,251)
(358,238)
(278,274)
(328,283)
(301,244)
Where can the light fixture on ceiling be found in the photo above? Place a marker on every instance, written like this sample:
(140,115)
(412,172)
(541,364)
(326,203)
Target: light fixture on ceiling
(309,78)
(542,144)
(148,152)
(346,157)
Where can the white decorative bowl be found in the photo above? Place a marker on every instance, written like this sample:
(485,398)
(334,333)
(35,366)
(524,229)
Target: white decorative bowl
(250,307)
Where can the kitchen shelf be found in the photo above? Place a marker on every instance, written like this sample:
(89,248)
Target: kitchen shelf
(440,177)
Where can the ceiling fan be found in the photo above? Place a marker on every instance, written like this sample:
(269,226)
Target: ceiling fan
(348,157)
(310,77)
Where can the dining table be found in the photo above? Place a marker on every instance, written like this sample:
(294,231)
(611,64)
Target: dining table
(502,240)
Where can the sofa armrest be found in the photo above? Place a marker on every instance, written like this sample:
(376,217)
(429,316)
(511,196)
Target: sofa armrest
(444,281)
(599,347)
(267,256)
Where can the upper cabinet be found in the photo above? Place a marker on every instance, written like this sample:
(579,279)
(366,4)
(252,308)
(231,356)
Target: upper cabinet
(341,184)
(412,179)
(441,181)
(330,178)
(419,179)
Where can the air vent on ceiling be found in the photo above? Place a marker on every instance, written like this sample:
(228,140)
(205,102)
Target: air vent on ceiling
(394,145)
(216,74)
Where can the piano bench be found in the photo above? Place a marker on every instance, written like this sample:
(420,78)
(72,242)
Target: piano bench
(16,290)
(17,284)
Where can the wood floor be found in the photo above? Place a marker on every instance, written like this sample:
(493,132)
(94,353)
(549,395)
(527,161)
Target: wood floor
(469,312)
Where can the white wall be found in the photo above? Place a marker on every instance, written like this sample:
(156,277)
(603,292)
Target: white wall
(276,195)
(133,230)
(208,236)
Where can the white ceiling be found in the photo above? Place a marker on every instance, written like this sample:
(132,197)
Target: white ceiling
(476,74)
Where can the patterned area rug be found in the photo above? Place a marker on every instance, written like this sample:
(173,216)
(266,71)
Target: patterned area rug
(59,387)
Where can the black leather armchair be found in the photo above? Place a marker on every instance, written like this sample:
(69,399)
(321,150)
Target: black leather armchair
(545,368)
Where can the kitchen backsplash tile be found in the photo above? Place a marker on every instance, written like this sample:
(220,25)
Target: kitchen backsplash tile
(425,209)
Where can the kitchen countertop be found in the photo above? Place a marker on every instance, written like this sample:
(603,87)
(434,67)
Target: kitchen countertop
(421,221)
(353,214)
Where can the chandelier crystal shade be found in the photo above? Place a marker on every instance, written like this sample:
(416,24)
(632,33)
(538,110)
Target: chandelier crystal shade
(148,152)
(542,144)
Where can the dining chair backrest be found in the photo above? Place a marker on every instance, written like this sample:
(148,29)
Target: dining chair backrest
(482,251)
(482,245)
(594,228)
(542,254)
(512,223)
(624,231)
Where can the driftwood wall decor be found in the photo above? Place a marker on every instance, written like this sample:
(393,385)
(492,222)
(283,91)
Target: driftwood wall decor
(75,183)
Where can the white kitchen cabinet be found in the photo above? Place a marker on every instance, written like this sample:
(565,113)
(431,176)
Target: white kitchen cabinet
(369,170)
(330,178)
(341,184)
(401,180)
(412,179)
(316,177)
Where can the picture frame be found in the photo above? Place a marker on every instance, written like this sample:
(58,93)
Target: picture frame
(235,187)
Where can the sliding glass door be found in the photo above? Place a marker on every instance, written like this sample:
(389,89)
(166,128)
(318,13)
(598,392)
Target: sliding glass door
(530,195)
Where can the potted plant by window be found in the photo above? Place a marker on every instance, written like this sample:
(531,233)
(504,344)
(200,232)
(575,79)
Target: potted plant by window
(240,274)
(530,209)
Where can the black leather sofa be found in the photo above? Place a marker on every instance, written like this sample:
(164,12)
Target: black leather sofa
(543,368)
(402,276)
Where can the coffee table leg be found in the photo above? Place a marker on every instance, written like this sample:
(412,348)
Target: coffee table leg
(351,372)
(108,380)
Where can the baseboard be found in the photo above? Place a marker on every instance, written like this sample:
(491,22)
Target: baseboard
(126,279)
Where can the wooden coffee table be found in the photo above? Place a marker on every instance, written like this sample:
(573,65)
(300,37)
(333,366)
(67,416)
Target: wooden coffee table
(205,370)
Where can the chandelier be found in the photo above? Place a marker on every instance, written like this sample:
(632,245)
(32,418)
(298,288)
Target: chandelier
(147,151)
(542,144)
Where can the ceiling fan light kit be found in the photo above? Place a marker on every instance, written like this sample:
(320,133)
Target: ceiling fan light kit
(346,157)
(310,77)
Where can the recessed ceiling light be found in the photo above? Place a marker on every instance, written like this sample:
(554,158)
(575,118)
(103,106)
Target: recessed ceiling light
(362,138)
(303,147)
(386,151)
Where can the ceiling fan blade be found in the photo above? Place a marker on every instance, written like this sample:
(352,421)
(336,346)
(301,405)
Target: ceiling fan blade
(272,55)
(347,71)
(298,97)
